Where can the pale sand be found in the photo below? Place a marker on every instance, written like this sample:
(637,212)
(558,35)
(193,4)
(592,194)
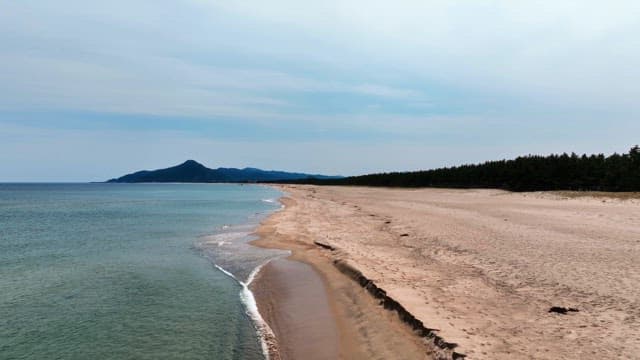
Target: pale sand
(481,266)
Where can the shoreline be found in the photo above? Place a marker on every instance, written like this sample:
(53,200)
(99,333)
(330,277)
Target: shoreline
(264,332)
(230,252)
(351,324)
(293,301)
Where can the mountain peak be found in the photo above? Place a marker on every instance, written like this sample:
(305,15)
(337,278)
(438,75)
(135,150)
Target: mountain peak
(191,163)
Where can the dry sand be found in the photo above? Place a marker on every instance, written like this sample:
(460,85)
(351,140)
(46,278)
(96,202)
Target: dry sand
(482,267)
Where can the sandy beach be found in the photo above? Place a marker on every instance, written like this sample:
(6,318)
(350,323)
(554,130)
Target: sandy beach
(473,273)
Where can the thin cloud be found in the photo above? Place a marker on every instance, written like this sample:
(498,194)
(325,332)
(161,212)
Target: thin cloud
(351,75)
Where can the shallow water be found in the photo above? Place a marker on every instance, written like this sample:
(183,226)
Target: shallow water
(124,271)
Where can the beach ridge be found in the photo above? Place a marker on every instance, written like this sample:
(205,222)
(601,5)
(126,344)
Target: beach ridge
(445,348)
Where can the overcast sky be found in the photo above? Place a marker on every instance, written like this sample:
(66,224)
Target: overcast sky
(91,90)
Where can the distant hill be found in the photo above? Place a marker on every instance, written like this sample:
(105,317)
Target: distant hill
(193,172)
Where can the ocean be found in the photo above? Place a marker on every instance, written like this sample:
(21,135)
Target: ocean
(130,271)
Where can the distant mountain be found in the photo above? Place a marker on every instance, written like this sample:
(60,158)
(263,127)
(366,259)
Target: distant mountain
(193,172)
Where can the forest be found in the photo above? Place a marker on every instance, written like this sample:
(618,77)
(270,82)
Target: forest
(617,172)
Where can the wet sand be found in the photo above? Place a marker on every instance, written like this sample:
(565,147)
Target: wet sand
(295,305)
(482,267)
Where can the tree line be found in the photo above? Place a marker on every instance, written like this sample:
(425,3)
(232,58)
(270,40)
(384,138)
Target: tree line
(617,172)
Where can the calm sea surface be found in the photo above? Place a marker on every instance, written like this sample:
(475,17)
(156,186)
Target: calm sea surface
(126,271)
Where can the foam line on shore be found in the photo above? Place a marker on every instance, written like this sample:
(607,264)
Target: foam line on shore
(266,335)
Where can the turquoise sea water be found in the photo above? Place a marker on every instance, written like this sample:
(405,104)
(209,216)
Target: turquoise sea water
(125,271)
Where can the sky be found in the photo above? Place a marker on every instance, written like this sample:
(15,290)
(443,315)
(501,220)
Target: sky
(93,90)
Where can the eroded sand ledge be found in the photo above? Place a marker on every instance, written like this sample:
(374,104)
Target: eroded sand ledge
(481,266)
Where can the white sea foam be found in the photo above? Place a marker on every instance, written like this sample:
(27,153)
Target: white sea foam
(229,237)
(265,334)
(223,238)
(227,273)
